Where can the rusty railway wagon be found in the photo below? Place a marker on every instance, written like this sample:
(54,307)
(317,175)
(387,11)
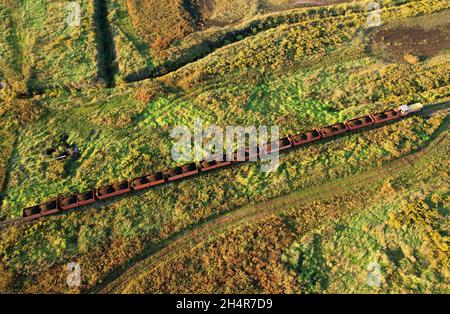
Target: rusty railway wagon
(64,203)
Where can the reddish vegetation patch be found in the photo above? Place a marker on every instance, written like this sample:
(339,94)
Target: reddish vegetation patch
(160,21)
(412,41)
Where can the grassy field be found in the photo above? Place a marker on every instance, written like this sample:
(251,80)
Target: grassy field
(298,75)
(161,22)
(194,36)
(142,144)
(197,41)
(320,241)
(48,53)
(133,53)
(285,46)
(10,63)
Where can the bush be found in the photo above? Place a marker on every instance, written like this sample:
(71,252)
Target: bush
(160,21)
(148,93)
(56,170)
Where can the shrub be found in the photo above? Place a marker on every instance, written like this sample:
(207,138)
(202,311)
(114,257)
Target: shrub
(160,21)
(148,93)
(56,170)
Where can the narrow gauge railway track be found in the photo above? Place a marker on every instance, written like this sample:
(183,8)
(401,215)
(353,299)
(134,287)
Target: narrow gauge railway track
(66,203)
(190,237)
(170,248)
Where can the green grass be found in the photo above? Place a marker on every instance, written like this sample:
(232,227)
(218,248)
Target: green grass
(318,242)
(132,51)
(144,128)
(10,63)
(413,256)
(139,41)
(55,53)
(285,47)
(153,216)
(120,135)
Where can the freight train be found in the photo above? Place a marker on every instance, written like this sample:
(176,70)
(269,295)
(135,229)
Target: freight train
(64,203)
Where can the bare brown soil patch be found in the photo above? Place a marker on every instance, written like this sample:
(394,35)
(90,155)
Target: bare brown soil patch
(403,43)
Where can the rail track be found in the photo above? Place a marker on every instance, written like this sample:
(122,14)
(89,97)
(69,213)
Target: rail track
(64,204)
(117,281)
